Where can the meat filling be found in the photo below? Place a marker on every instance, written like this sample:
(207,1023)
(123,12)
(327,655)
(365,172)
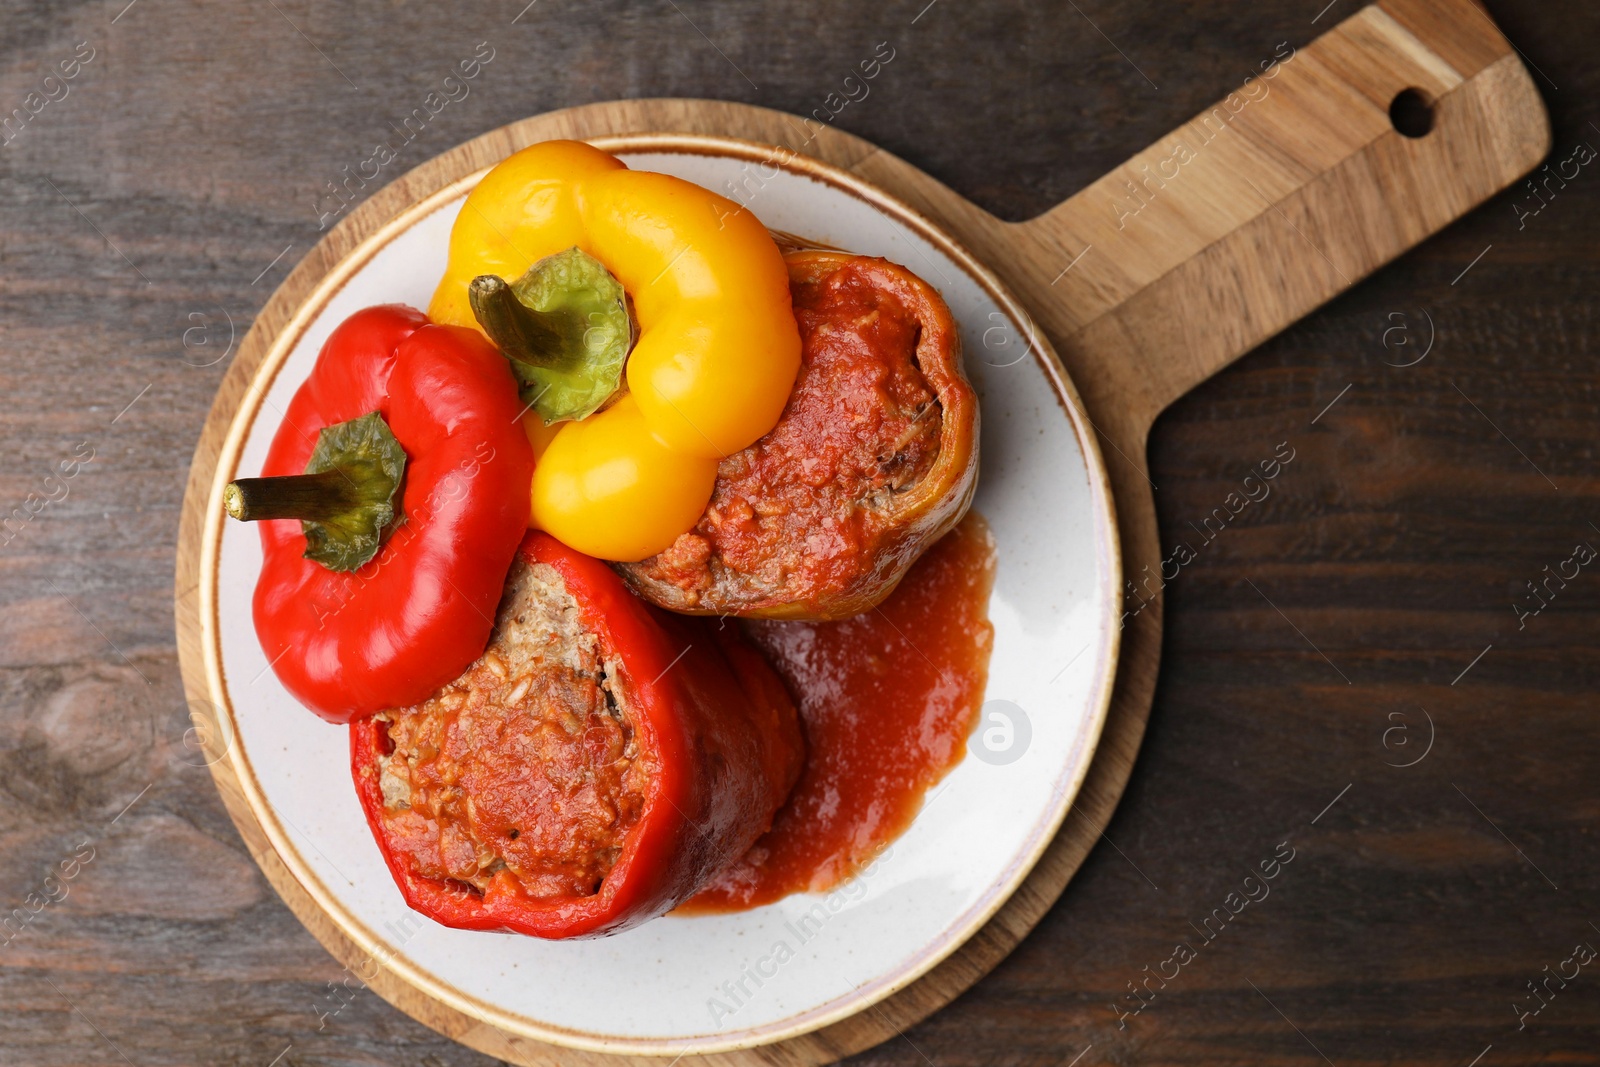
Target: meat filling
(527,765)
(796,513)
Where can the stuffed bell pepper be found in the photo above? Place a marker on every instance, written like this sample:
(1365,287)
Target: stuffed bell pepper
(648,321)
(391,504)
(874,458)
(596,766)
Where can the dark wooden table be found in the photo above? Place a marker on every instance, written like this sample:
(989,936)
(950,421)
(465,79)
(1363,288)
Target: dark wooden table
(1361,618)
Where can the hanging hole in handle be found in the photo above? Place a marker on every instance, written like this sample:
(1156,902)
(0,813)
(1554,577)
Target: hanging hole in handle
(1411,113)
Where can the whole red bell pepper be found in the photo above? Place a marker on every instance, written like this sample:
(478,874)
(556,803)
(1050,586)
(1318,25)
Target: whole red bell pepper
(713,721)
(404,461)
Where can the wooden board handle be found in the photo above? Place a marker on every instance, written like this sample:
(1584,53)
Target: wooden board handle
(1292,188)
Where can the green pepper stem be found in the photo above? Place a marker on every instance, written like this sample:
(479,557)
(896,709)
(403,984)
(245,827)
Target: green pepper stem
(317,497)
(536,338)
(346,500)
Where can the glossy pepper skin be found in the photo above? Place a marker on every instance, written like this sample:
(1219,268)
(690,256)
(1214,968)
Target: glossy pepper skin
(717,351)
(910,521)
(412,618)
(711,715)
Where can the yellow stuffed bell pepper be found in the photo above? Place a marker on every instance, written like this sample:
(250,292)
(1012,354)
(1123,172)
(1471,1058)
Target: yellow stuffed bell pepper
(565,257)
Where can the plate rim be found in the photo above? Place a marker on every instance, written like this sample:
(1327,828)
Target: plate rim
(1108,546)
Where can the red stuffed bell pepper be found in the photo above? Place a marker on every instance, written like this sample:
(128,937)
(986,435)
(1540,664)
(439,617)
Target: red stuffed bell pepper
(596,767)
(404,460)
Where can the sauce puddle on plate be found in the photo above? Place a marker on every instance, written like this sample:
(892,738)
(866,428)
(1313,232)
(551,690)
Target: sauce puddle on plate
(888,700)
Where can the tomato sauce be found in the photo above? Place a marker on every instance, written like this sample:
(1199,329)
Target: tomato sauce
(525,764)
(888,700)
(802,512)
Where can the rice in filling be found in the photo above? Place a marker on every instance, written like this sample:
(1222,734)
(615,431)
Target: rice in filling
(526,766)
(797,513)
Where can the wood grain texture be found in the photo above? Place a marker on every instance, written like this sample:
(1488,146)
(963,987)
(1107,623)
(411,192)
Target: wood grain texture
(1156,279)
(1212,260)
(1394,541)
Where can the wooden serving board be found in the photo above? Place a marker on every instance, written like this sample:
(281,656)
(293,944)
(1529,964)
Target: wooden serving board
(1147,282)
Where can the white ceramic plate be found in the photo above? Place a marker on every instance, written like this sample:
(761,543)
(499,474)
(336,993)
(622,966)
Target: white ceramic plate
(714,983)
